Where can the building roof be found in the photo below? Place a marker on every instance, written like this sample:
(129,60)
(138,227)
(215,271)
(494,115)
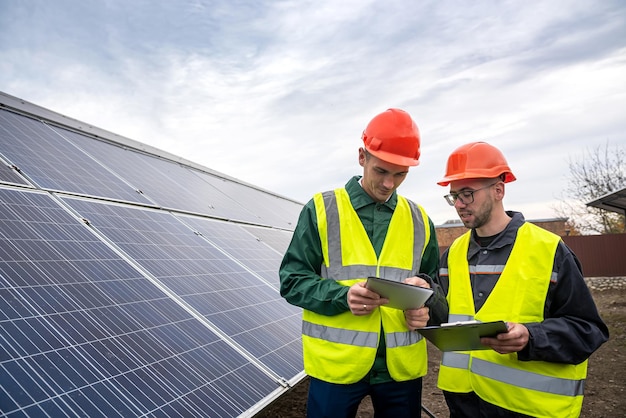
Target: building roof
(614,201)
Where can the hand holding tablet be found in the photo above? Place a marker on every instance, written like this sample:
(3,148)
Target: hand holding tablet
(462,336)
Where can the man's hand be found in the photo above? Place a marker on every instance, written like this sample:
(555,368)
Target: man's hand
(362,301)
(512,341)
(416,318)
(417,281)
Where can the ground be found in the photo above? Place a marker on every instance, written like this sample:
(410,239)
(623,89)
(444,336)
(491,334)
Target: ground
(605,389)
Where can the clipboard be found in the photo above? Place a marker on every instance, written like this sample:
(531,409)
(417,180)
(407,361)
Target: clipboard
(401,295)
(462,336)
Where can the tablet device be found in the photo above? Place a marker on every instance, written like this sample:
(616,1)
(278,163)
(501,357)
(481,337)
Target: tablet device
(401,295)
(462,336)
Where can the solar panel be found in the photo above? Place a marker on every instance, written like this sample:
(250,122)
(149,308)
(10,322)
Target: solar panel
(84,333)
(223,284)
(134,283)
(170,185)
(51,162)
(167,183)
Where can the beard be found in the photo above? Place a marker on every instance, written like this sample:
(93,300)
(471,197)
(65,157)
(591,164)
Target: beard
(474,219)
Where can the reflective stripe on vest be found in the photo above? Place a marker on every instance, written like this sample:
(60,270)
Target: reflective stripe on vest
(528,380)
(516,377)
(342,348)
(362,339)
(336,269)
(533,388)
(491,270)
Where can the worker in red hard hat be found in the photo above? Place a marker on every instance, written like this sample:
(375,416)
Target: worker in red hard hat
(507,269)
(353,344)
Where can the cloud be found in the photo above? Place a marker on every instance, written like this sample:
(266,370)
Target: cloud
(276,93)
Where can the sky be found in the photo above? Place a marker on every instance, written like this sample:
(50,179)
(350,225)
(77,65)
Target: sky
(277,93)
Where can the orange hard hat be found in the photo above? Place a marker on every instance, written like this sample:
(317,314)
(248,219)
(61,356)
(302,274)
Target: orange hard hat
(392,136)
(476,160)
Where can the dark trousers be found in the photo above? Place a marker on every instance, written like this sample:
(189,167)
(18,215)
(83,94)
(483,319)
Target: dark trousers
(470,405)
(390,400)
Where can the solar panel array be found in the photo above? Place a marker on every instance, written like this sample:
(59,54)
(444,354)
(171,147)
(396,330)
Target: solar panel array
(135,285)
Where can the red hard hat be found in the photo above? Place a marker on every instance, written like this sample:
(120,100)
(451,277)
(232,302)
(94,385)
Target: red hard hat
(392,136)
(474,161)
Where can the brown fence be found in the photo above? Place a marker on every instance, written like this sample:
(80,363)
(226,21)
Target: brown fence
(600,255)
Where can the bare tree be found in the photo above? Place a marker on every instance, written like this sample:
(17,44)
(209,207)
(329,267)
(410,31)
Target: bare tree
(600,171)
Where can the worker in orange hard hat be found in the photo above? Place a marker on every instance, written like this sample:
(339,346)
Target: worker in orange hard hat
(393,139)
(507,269)
(392,136)
(476,160)
(353,344)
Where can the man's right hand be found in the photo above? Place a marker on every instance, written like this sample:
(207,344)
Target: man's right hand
(363,301)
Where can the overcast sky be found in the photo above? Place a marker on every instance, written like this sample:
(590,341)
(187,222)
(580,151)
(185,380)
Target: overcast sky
(277,93)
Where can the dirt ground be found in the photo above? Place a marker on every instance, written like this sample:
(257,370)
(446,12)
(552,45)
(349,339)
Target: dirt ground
(605,389)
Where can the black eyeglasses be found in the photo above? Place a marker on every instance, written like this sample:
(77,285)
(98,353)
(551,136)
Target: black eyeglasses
(466,196)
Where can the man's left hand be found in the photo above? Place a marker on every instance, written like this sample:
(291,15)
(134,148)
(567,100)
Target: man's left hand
(512,341)
(416,318)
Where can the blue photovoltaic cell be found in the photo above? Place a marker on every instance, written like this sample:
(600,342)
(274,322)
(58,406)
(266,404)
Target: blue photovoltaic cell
(54,163)
(243,306)
(83,333)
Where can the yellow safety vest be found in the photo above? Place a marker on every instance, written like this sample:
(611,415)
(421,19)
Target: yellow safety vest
(535,388)
(342,348)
